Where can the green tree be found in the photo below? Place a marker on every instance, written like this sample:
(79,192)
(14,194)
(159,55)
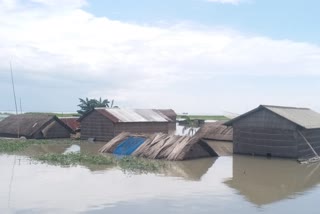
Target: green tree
(191,125)
(87,105)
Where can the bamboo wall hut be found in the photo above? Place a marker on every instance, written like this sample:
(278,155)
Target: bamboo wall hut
(36,126)
(103,124)
(277,131)
(158,146)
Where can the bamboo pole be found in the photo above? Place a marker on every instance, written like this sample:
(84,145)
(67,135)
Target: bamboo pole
(316,154)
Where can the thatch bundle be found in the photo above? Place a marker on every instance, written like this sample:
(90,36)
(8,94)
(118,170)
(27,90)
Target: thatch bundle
(164,146)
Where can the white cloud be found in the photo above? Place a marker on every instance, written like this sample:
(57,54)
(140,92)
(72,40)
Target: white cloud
(135,63)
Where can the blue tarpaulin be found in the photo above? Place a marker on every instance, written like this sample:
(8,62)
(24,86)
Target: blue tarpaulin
(129,145)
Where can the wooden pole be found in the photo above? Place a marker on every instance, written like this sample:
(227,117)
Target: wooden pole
(14,96)
(14,91)
(316,154)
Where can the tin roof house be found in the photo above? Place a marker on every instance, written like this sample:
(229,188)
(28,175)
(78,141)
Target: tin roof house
(277,131)
(103,124)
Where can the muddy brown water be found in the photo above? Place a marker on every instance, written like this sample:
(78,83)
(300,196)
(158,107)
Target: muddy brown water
(237,184)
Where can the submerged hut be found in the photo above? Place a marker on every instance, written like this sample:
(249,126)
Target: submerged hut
(218,136)
(158,146)
(36,126)
(103,124)
(277,131)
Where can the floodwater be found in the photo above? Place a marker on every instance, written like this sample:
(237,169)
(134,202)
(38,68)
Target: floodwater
(237,184)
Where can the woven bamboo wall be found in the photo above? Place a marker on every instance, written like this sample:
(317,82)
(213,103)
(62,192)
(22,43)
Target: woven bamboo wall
(313,136)
(56,130)
(265,133)
(101,128)
(141,127)
(96,126)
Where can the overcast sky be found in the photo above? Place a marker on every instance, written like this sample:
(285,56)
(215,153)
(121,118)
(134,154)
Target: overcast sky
(196,56)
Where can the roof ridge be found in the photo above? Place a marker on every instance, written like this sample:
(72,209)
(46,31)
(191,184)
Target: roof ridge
(285,107)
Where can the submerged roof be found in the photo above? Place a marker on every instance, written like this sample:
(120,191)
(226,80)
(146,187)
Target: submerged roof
(158,146)
(133,115)
(303,117)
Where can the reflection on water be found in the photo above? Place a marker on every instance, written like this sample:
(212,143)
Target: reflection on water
(236,184)
(190,169)
(264,181)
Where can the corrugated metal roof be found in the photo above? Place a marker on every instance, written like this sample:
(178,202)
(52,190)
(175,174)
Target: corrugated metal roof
(304,117)
(136,115)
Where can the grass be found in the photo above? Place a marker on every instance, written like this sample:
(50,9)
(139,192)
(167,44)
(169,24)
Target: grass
(10,146)
(204,117)
(128,164)
(17,145)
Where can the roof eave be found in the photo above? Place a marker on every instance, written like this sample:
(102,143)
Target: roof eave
(230,122)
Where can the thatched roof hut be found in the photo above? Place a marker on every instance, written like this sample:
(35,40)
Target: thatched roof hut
(215,131)
(158,146)
(34,126)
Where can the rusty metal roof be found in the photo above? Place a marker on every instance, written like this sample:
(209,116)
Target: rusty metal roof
(134,115)
(72,122)
(303,117)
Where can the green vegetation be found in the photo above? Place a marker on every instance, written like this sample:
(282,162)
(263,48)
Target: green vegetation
(75,159)
(140,165)
(87,105)
(204,117)
(128,164)
(17,145)
(12,146)
(191,125)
